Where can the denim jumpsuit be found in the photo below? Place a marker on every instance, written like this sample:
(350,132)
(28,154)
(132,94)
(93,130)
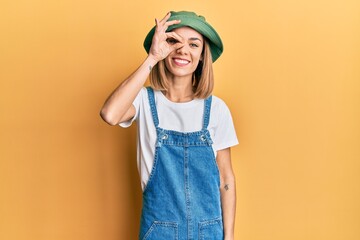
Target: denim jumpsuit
(182,197)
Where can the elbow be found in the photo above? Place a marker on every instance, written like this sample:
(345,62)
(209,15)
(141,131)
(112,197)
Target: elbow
(107,117)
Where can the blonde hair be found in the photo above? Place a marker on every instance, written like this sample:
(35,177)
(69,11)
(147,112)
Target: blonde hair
(203,77)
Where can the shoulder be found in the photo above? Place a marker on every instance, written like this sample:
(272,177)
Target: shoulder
(140,98)
(143,94)
(217,100)
(144,90)
(218,105)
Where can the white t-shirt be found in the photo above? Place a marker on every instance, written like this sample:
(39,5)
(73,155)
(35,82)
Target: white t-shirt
(182,117)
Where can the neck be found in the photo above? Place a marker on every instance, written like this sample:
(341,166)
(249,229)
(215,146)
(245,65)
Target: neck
(180,89)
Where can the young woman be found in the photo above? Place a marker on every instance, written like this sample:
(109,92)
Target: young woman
(184,133)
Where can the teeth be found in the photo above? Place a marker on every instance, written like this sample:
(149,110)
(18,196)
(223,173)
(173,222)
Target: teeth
(181,61)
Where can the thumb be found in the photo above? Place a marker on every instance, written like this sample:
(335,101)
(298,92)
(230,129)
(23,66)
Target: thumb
(176,46)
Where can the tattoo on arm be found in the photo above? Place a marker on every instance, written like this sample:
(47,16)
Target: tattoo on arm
(150,67)
(226,187)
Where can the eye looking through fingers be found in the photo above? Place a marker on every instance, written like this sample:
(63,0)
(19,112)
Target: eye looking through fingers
(172,40)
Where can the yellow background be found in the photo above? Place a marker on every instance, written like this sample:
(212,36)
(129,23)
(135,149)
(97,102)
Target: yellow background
(290,74)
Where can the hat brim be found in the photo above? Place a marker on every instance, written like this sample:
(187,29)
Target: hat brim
(196,23)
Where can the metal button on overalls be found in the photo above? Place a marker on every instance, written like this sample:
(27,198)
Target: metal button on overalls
(181,200)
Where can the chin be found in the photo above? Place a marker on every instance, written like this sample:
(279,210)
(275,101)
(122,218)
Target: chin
(179,73)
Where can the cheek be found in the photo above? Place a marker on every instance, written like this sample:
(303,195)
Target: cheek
(167,62)
(198,54)
(197,57)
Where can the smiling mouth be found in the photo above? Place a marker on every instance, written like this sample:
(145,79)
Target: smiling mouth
(180,62)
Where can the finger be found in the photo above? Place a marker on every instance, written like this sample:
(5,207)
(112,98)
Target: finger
(167,16)
(176,46)
(178,43)
(172,22)
(175,36)
(159,27)
(162,24)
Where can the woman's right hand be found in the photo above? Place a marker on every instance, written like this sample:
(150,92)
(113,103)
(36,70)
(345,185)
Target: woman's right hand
(118,106)
(160,48)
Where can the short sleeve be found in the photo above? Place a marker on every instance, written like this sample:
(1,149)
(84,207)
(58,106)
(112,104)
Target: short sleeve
(225,134)
(136,103)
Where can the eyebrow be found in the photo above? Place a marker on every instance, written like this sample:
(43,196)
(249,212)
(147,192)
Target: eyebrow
(195,38)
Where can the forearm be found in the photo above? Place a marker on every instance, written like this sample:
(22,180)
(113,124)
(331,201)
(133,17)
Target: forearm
(120,100)
(228,204)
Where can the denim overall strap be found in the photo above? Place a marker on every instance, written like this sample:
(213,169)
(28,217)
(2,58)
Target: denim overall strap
(153,106)
(207,108)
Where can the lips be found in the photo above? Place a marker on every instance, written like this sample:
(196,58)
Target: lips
(181,62)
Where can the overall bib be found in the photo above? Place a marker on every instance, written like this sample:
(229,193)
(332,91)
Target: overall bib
(181,200)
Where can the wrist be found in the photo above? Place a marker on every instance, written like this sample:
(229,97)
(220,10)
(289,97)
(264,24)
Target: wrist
(152,60)
(229,236)
(149,63)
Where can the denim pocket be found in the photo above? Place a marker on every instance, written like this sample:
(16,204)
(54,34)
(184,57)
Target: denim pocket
(162,231)
(211,230)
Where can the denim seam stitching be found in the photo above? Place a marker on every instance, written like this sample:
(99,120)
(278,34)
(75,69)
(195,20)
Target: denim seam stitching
(152,170)
(165,224)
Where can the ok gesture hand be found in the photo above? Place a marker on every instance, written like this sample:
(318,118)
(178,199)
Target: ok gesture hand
(160,47)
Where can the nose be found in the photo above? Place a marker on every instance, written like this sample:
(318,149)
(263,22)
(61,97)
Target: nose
(183,49)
